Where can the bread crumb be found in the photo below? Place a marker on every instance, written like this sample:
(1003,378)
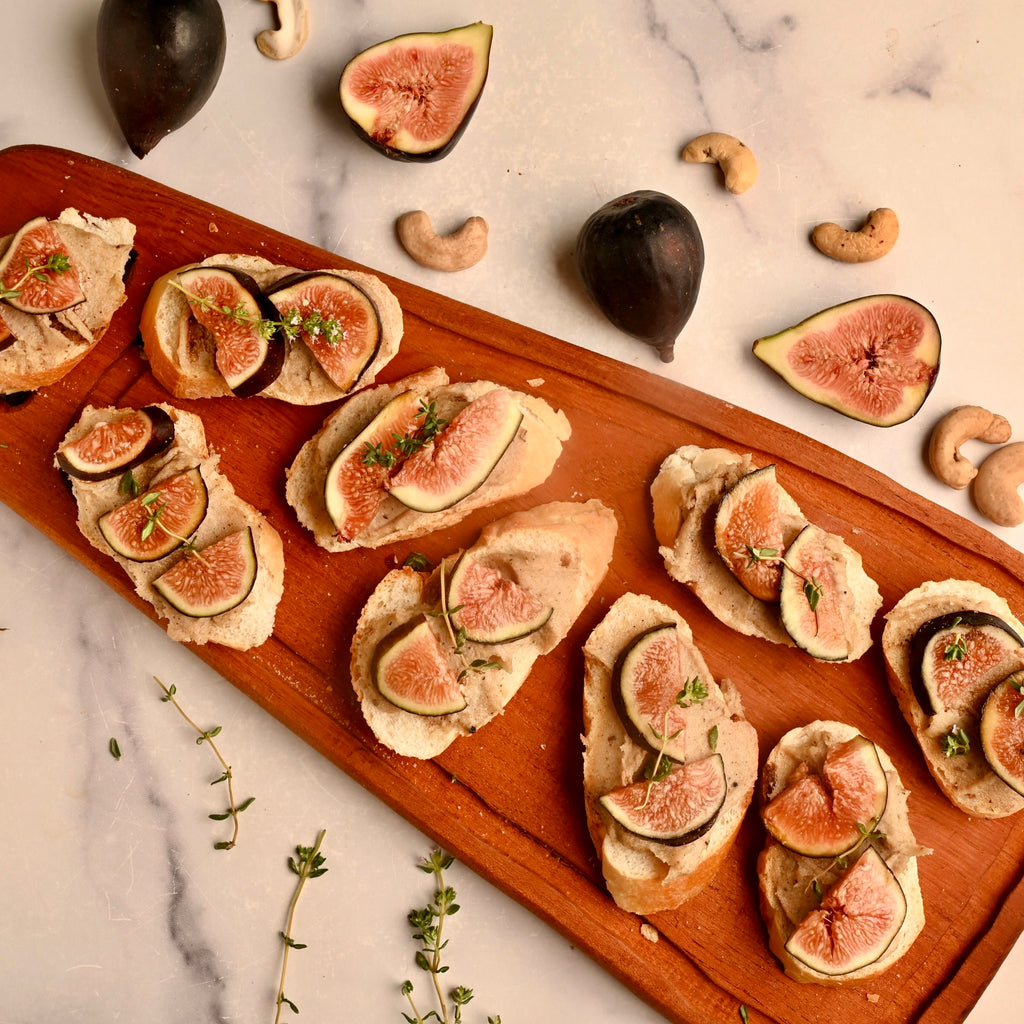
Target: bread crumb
(649,932)
(873,997)
(536,382)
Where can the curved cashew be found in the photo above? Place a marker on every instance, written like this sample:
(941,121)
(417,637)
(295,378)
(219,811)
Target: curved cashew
(736,161)
(965,423)
(995,486)
(457,251)
(875,238)
(292,31)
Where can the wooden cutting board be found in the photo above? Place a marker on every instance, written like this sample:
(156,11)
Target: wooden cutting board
(508,801)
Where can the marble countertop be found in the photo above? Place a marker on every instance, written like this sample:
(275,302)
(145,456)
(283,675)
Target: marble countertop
(114,899)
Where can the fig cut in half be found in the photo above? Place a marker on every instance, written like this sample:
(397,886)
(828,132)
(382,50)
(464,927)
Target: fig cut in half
(874,359)
(154,524)
(36,275)
(748,533)
(354,488)
(951,655)
(412,671)
(490,607)
(336,320)
(214,580)
(827,814)
(412,97)
(249,350)
(115,445)
(1002,731)
(856,922)
(675,810)
(458,459)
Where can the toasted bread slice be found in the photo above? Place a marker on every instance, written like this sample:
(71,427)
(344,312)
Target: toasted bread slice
(558,552)
(248,624)
(44,347)
(181,351)
(642,875)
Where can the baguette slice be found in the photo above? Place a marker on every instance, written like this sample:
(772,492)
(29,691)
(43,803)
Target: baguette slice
(685,494)
(181,352)
(526,463)
(243,627)
(966,779)
(646,876)
(46,346)
(786,880)
(559,552)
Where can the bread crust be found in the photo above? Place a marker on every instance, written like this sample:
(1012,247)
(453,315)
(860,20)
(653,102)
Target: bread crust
(47,346)
(559,551)
(527,462)
(181,353)
(243,627)
(786,879)
(966,780)
(645,876)
(685,494)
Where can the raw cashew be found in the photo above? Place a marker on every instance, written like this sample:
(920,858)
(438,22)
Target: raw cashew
(995,486)
(875,238)
(292,31)
(457,251)
(737,162)
(965,423)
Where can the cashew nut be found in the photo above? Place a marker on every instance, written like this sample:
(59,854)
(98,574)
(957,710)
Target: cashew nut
(995,486)
(965,423)
(457,251)
(737,162)
(875,238)
(291,34)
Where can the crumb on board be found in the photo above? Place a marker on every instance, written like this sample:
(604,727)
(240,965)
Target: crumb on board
(649,932)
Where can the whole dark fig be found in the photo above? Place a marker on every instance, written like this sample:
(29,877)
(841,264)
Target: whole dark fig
(159,63)
(641,258)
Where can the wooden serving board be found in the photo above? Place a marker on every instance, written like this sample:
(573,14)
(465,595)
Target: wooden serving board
(508,801)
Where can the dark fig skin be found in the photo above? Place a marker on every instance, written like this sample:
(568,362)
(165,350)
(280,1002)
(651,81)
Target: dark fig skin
(160,439)
(159,62)
(641,259)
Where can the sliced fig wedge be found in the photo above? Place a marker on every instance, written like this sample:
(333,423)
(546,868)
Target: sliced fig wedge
(1002,731)
(858,918)
(828,813)
(214,580)
(950,656)
(874,359)
(115,445)
(411,671)
(675,810)
(747,525)
(412,97)
(36,274)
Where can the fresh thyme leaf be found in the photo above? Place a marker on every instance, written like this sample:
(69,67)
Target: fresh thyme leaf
(956,742)
(713,738)
(128,484)
(693,692)
(418,561)
(744,1015)
(115,748)
(957,650)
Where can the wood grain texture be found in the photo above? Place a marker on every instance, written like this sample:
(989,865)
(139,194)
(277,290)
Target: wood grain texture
(508,801)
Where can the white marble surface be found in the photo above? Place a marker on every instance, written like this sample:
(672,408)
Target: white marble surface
(115,905)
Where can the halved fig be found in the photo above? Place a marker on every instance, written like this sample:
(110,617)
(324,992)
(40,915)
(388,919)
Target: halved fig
(950,656)
(249,351)
(461,456)
(648,679)
(411,671)
(36,274)
(747,521)
(336,320)
(489,605)
(677,809)
(214,580)
(874,359)
(411,97)
(354,488)
(827,814)
(154,524)
(6,338)
(811,596)
(856,922)
(126,439)
(1002,731)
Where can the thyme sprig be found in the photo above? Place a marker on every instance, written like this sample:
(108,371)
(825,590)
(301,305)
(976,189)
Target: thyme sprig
(56,263)
(404,445)
(207,736)
(457,634)
(307,863)
(811,587)
(694,691)
(153,523)
(869,833)
(428,929)
(957,650)
(956,742)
